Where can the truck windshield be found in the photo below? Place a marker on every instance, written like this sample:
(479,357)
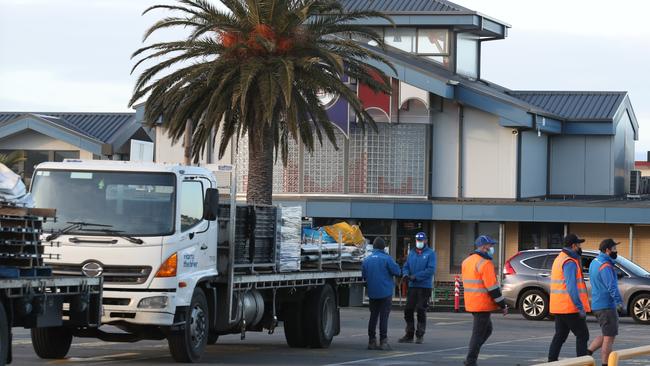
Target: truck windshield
(136,204)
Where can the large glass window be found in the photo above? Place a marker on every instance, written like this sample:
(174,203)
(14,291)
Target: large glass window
(433,42)
(325,167)
(467,55)
(391,161)
(534,235)
(463,235)
(62,155)
(191,203)
(34,157)
(402,38)
(139,204)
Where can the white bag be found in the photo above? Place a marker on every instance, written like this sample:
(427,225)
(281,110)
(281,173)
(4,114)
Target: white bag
(12,188)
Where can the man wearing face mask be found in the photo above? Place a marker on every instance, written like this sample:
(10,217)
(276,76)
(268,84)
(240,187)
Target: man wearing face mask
(419,269)
(606,299)
(569,299)
(482,294)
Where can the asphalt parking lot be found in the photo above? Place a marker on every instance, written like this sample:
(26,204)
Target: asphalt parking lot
(515,341)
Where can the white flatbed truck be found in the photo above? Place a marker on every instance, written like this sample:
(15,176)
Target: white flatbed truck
(150,231)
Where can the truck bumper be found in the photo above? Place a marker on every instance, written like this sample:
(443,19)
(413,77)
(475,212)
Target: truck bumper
(123,307)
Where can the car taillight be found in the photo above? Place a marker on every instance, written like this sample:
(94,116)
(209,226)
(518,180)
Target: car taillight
(507,268)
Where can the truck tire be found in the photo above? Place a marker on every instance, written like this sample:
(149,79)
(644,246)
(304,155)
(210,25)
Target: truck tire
(4,336)
(187,345)
(293,325)
(51,343)
(321,317)
(534,305)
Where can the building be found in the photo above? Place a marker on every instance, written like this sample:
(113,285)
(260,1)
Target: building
(457,156)
(57,136)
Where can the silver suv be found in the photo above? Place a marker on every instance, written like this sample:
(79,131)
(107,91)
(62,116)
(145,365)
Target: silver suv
(526,283)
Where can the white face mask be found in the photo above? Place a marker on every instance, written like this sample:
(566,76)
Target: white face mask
(419,244)
(491,251)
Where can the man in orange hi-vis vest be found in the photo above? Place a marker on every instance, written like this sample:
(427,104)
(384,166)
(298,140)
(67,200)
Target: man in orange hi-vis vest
(569,298)
(482,294)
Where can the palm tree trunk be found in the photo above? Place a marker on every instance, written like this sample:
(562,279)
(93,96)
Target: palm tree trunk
(260,168)
(187,144)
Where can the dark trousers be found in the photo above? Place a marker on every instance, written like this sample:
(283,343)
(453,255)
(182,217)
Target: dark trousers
(417,300)
(565,323)
(481,331)
(379,310)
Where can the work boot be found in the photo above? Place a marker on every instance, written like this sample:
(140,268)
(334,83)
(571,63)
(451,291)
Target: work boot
(419,339)
(406,339)
(372,344)
(384,346)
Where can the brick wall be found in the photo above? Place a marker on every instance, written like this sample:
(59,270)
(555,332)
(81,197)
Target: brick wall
(511,239)
(595,233)
(443,250)
(641,248)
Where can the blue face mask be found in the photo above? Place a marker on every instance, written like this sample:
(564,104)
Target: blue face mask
(491,251)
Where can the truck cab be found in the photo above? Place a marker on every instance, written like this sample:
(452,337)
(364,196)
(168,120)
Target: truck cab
(141,226)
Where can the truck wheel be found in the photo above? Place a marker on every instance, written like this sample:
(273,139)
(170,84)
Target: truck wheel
(293,326)
(4,336)
(51,342)
(187,345)
(321,317)
(534,305)
(640,309)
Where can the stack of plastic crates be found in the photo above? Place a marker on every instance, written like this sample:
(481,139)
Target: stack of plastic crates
(21,250)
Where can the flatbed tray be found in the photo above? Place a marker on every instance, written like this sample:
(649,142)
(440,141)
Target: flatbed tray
(39,282)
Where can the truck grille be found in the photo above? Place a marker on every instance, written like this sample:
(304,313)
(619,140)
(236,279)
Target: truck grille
(130,275)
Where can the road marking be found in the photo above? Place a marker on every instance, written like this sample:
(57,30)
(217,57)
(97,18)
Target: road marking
(453,323)
(94,359)
(430,352)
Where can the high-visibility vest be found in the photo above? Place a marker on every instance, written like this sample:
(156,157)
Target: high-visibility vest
(561,302)
(478,280)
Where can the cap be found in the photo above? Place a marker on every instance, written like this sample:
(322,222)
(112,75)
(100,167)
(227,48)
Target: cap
(421,236)
(607,244)
(571,239)
(379,243)
(483,240)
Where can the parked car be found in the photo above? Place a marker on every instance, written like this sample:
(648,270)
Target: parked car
(526,283)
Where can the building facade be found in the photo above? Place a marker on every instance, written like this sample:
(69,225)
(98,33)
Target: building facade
(457,156)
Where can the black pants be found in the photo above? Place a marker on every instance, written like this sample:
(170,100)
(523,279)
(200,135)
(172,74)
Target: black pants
(417,300)
(481,331)
(379,310)
(565,323)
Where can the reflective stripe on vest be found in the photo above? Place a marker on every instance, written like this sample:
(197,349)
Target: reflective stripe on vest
(561,302)
(477,284)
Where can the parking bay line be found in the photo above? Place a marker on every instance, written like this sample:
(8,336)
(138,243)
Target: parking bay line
(400,355)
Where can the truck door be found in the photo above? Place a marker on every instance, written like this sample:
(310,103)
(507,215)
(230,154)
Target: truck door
(208,248)
(193,227)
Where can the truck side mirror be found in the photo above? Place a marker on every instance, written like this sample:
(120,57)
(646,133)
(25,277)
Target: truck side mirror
(211,204)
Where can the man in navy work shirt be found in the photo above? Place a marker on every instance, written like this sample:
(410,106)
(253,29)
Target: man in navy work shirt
(378,272)
(606,299)
(419,269)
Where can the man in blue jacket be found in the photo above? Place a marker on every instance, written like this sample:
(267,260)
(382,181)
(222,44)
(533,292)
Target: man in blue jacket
(419,269)
(378,272)
(606,299)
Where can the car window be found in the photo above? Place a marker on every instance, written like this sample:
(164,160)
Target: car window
(586,262)
(535,262)
(549,261)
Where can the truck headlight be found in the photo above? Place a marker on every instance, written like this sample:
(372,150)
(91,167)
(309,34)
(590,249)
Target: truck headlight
(155,302)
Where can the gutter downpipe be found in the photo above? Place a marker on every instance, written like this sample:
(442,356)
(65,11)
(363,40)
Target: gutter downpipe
(631,243)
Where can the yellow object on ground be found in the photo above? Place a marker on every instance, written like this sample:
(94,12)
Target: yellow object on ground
(345,233)
(626,354)
(579,361)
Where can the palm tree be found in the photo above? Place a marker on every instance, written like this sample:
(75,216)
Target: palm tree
(12,159)
(255,69)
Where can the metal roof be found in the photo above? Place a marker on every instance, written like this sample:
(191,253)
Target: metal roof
(575,105)
(101,126)
(403,6)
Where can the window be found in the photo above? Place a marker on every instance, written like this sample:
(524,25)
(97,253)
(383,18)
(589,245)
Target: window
(62,155)
(402,38)
(536,262)
(467,55)
(191,204)
(34,157)
(433,42)
(540,235)
(463,235)
(549,261)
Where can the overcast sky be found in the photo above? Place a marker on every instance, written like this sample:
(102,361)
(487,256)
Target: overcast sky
(74,55)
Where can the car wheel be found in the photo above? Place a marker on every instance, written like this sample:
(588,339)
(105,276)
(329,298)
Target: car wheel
(640,309)
(533,305)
